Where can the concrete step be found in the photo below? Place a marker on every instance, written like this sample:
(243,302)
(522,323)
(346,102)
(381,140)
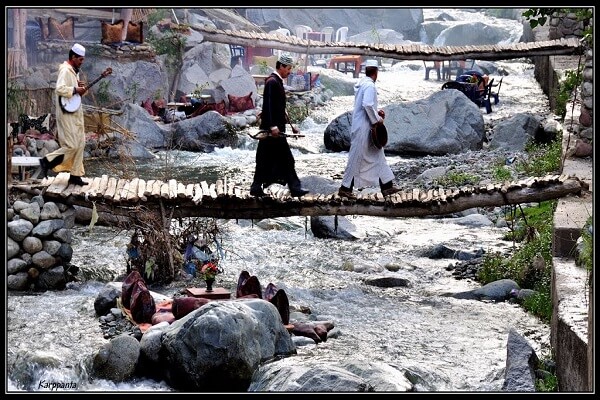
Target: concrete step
(572,211)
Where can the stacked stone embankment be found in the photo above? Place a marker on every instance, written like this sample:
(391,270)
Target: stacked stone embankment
(38,245)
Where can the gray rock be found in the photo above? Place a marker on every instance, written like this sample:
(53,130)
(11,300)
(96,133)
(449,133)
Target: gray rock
(117,359)
(521,363)
(209,349)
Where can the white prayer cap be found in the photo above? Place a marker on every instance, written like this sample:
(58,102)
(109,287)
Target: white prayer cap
(286,59)
(372,63)
(78,49)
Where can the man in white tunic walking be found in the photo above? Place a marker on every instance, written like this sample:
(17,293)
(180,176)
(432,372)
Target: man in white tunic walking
(366,165)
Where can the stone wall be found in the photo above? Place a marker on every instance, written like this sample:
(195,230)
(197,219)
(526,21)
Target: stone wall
(55,51)
(566,25)
(39,245)
(548,72)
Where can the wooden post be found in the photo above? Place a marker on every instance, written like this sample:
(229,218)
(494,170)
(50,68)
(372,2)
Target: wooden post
(19,61)
(306,59)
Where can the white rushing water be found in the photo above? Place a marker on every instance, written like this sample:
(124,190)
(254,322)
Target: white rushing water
(456,345)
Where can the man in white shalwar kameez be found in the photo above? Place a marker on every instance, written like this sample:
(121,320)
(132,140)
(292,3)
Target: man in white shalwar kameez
(366,165)
(69,125)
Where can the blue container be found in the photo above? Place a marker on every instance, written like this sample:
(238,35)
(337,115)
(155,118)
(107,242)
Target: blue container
(190,268)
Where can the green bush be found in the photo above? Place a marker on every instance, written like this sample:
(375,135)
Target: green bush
(454,178)
(572,81)
(543,158)
(297,113)
(530,264)
(500,172)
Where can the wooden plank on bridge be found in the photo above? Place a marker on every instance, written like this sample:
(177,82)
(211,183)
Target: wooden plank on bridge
(69,190)
(181,192)
(120,185)
(189,191)
(172,189)
(164,190)
(130,192)
(239,192)
(148,190)
(415,194)
(60,183)
(310,197)
(111,188)
(197,199)
(142,190)
(205,189)
(89,190)
(219,188)
(156,188)
(102,186)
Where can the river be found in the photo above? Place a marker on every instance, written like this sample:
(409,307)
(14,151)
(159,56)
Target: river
(458,345)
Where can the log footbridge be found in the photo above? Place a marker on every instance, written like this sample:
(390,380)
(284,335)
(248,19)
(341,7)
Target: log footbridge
(227,200)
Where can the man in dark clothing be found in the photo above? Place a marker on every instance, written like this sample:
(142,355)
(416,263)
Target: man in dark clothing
(274,159)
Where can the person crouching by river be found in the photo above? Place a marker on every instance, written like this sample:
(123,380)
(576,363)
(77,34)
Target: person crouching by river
(274,159)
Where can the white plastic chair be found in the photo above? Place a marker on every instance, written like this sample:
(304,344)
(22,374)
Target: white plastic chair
(341,34)
(301,30)
(283,31)
(327,32)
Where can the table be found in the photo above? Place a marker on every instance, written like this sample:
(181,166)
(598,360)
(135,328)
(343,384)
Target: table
(347,61)
(259,80)
(174,105)
(24,162)
(218,293)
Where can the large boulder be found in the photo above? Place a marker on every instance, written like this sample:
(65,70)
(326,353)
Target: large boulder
(446,122)
(219,346)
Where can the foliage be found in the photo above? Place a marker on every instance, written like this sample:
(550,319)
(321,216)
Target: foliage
(585,257)
(530,264)
(157,15)
(171,44)
(572,81)
(16,98)
(538,16)
(197,92)
(102,95)
(543,158)
(132,91)
(540,304)
(454,178)
(263,67)
(158,256)
(500,172)
(297,113)
(548,384)
(546,380)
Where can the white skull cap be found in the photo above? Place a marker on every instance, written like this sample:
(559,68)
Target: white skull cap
(286,59)
(78,49)
(372,63)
